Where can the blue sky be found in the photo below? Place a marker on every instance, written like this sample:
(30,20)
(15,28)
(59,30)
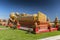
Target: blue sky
(49,7)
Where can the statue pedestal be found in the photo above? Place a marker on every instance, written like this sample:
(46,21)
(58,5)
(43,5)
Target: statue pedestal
(42,27)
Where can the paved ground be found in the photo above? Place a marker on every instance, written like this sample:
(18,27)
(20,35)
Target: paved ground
(25,28)
(51,38)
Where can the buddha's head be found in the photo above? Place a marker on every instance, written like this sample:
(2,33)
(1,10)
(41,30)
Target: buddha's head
(12,15)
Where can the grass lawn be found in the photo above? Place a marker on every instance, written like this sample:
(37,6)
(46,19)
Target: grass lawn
(10,34)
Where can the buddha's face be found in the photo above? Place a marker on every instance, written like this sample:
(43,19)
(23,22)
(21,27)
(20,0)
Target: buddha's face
(13,18)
